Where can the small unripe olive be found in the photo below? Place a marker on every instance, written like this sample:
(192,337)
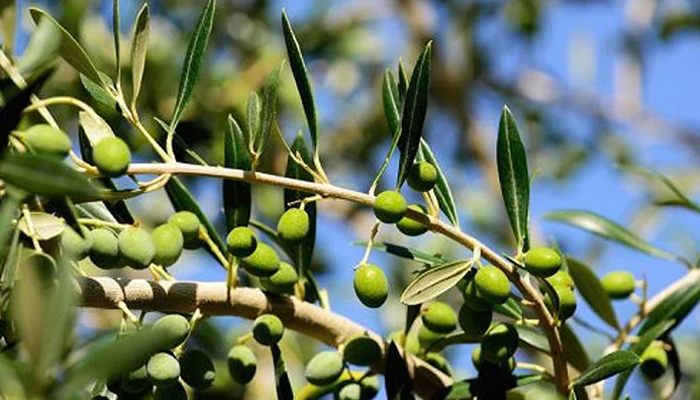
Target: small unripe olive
(618,284)
(136,247)
(410,227)
(542,261)
(351,391)
(499,343)
(104,251)
(111,156)
(362,350)
(73,245)
(439,362)
(168,241)
(173,392)
(163,369)
(654,361)
(197,369)
(324,368)
(439,317)
(492,284)
(390,207)
(283,280)
(264,261)
(371,285)
(477,357)
(242,364)
(173,330)
(422,176)
(241,241)
(370,387)
(268,329)
(136,381)
(474,322)
(293,225)
(427,338)
(473,299)
(46,140)
(567,302)
(188,223)
(561,278)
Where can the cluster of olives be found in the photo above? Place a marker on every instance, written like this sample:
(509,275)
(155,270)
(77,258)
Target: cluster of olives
(134,246)
(167,371)
(546,263)
(268,330)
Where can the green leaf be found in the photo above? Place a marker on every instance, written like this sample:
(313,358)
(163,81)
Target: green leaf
(412,312)
(592,291)
(510,309)
(45,226)
(675,307)
(8,22)
(391,113)
(402,86)
(303,251)
(252,118)
(95,127)
(404,252)
(301,77)
(99,93)
(284,386)
(237,195)
(12,379)
(514,178)
(397,379)
(11,112)
(139,47)
(413,116)
(435,281)
(42,48)
(70,49)
(603,227)
(574,352)
(610,365)
(116,33)
(268,109)
(679,198)
(9,209)
(193,61)
(533,339)
(442,187)
(45,176)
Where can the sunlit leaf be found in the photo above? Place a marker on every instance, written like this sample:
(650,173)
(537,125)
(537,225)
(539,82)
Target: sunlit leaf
(442,187)
(252,117)
(237,197)
(268,109)
(139,48)
(435,281)
(532,338)
(42,47)
(680,199)
(610,365)
(592,291)
(12,379)
(94,126)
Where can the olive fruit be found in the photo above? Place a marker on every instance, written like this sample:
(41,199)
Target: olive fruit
(73,245)
(168,241)
(264,261)
(439,317)
(567,301)
(351,391)
(163,369)
(242,364)
(473,299)
(371,285)
(492,285)
(175,391)
(46,140)
(362,350)
(618,284)
(370,387)
(427,338)
(410,227)
(268,329)
(111,156)
(135,381)
(542,261)
(241,241)
(654,361)
(173,330)
(561,278)
(283,280)
(390,207)
(136,247)
(499,343)
(422,176)
(439,362)
(197,369)
(324,368)
(474,322)
(293,225)
(104,251)
(188,223)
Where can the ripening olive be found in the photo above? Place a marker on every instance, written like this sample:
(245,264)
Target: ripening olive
(618,284)
(197,369)
(188,223)
(410,227)
(561,278)
(46,140)
(73,245)
(242,364)
(362,350)
(282,281)
(293,225)
(268,329)
(168,241)
(241,241)
(427,338)
(176,391)
(136,247)
(264,261)
(492,285)
(371,285)
(499,343)
(439,362)
(351,391)
(369,386)
(422,176)
(654,361)
(136,381)
(104,251)
(111,156)
(439,317)
(473,299)
(474,322)
(542,261)
(173,330)
(163,369)
(390,207)
(324,368)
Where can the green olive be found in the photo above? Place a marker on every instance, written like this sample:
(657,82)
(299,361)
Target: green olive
(439,317)
(567,302)
(324,368)
(163,369)
(390,207)
(268,329)
(499,343)
(371,285)
(242,364)
(654,361)
(136,381)
(618,284)
(351,391)
(422,176)
(283,281)
(473,299)
(168,241)
(293,225)
(104,251)
(111,156)
(370,387)
(264,262)
(439,362)
(46,140)
(561,278)
(241,241)
(474,322)
(73,245)
(188,223)
(136,247)
(197,369)
(542,261)
(492,285)
(410,227)
(427,337)
(362,350)
(173,329)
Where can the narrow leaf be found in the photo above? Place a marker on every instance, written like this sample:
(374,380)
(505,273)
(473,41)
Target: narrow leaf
(592,291)
(237,195)
(435,281)
(514,178)
(610,365)
(45,226)
(675,307)
(116,33)
(510,309)
(680,199)
(397,379)
(139,48)
(391,113)
(442,187)
(95,127)
(533,339)
(284,386)
(402,86)
(9,209)
(303,251)
(8,22)
(268,110)
(574,352)
(11,112)
(607,229)
(99,93)
(252,118)
(42,48)
(404,252)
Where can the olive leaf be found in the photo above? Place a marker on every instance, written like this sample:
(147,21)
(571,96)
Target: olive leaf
(11,111)
(193,61)
(592,291)
(42,47)
(303,251)
(94,126)
(404,252)
(8,22)
(284,386)
(268,109)
(301,77)
(574,352)
(397,379)
(435,281)
(413,116)
(514,178)
(674,362)
(8,211)
(442,189)
(533,339)
(610,365)
(116,32)
(237,195)
(402,86)
(99,93)
(45,226)
(675,307)
(391,113)
(510,309)
(679,198)
(139,47)
(607,229)
(252,118)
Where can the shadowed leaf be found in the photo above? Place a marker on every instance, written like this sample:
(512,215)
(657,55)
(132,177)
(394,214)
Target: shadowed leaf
(592,291)
(610,365)
(237,197)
